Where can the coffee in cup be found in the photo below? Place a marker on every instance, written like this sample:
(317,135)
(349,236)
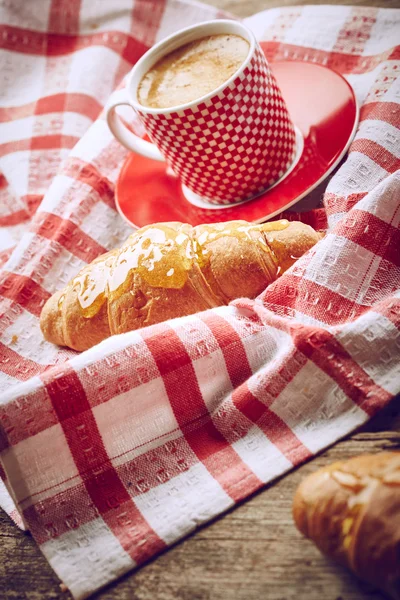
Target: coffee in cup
(192,71)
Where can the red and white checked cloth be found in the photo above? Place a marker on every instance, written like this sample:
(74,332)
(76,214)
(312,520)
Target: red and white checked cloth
(112,455)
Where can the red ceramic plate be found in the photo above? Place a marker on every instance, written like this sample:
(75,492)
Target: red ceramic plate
(323,108)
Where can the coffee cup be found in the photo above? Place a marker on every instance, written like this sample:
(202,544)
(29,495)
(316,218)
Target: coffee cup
(226,146)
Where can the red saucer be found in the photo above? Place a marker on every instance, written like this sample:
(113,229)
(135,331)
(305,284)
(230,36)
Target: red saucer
(323,107)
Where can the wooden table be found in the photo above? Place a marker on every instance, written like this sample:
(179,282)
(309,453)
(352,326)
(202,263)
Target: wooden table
(252,553)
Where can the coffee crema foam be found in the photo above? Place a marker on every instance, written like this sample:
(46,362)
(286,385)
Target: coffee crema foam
(192,71)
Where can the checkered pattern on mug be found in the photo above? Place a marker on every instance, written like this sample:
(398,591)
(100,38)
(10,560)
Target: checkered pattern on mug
(233,145)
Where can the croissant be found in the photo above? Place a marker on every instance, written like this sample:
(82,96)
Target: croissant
(170,270)
(351,510)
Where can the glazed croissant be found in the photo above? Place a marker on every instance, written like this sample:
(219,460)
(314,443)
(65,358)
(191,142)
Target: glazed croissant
(351,510)
(170,270)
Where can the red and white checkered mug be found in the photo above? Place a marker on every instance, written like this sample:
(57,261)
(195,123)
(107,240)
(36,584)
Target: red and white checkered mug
(225,147)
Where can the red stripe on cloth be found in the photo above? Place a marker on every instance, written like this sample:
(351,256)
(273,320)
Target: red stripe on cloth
(328,354)
(372,233)
(22,40)
(69,235)
(377,153)
(26,417)
(133,50)
(282,23)
(147,21)
(145,24)
(382,111)
(101,480)
(193,417)
(103,371)
(41,142)
(279,378)
(64,16)
(13,113)
(14,146)
(274,428)
(78,103)
(14,218)
(395,53)
(87,173)
(27,41)
(338,61)
(107,385)
(15,365)
(356,30)
(82,104)
(32,201)
(121,43)
(48,142)
(311,299)
(140,475)
(339,204)
(231,346)
(24,291)
(68,102)
(239,371)
(251,407)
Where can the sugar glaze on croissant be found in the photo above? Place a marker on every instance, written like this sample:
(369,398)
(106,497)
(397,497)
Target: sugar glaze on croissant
(168,270)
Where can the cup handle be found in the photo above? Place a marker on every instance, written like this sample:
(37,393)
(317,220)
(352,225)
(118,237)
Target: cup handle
(123,135)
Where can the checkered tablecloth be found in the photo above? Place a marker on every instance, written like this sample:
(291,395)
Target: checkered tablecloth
(110,456)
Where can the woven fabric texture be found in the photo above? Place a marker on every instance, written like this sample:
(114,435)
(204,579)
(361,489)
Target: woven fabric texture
(111,455)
